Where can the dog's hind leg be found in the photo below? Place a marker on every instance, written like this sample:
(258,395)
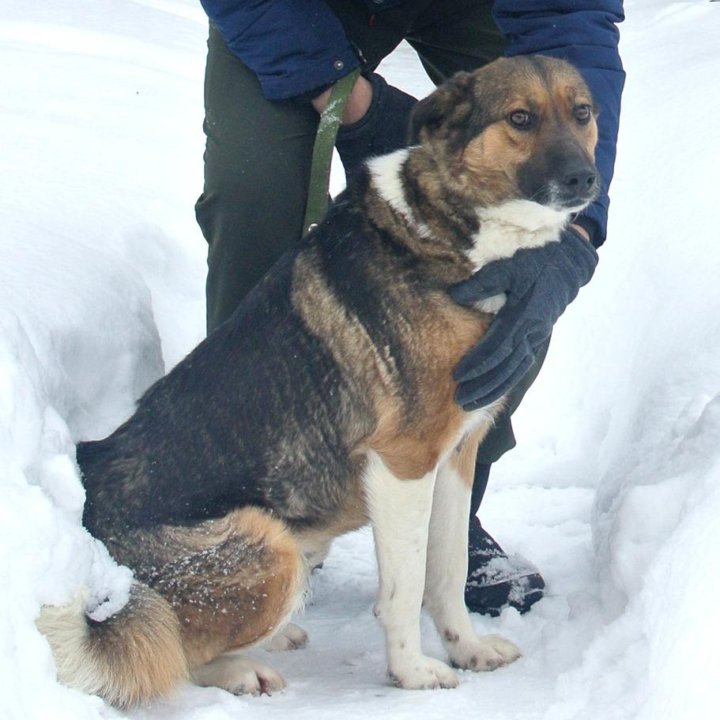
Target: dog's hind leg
(399,513)
(239,674)
(291,637)
(232,582)
(447,567)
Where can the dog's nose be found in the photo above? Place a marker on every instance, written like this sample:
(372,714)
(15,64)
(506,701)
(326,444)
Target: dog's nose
(579,180)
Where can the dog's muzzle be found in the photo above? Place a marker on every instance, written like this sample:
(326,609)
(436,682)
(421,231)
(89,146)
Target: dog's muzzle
(563,178)
(577,186)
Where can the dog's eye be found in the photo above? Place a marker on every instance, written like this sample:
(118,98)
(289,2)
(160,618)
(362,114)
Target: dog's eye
(521,119)
(583,113)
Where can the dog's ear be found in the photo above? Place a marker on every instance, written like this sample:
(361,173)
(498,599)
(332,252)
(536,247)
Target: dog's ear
(445,110)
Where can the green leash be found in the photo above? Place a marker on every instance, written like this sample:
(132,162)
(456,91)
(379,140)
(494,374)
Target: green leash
(317,201)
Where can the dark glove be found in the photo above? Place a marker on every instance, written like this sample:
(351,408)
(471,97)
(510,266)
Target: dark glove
(539,284)
(382,129)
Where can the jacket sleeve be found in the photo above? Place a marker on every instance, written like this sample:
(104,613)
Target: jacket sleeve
(292,46)
(583,32)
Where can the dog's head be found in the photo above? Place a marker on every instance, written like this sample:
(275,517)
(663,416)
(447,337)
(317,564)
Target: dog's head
(519,128)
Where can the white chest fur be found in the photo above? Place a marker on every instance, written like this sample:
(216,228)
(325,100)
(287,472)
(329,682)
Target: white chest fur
(514,225)
(509,227)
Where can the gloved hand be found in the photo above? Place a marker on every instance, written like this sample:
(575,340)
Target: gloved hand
(539,284)
(382,129)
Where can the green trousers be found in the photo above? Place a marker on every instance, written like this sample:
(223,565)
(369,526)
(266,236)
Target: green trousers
(258,153)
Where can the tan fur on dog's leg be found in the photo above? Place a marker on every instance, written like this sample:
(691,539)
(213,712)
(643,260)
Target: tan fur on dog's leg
(447,568)
(236,582)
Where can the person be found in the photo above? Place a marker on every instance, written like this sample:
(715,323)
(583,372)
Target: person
(271,65)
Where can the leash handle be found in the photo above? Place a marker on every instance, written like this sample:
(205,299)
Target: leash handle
(317,200)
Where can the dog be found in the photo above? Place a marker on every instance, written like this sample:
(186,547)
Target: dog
(327,402)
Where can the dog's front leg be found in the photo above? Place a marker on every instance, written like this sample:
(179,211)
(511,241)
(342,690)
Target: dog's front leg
(399,513)
(447,568)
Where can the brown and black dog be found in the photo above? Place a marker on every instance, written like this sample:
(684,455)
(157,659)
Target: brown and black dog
(327,402)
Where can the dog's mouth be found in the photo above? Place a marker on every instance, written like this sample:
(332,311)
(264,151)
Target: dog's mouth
(562,196)
(563,181)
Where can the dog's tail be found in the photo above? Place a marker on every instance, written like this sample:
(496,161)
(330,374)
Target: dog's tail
(133,656)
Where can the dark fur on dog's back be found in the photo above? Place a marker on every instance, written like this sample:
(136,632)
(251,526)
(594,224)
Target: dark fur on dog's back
(233,458)
(264,364)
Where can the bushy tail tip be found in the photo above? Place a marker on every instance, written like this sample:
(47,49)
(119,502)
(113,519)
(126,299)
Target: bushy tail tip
(133,656)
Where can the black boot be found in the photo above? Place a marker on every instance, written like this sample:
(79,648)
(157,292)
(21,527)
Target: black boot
(496,580)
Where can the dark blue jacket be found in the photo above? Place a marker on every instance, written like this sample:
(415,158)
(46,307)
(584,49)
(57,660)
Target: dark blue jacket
(296,46)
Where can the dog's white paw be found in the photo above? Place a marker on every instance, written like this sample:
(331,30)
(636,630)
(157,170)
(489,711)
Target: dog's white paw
(291,637)
(239,675)
(422,673)
(482,653)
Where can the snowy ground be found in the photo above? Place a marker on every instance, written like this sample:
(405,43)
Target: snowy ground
(614,490)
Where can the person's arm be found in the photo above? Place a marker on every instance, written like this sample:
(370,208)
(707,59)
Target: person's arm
(298,50)
(540,283)
(294,48)
(583,32)
(357,104)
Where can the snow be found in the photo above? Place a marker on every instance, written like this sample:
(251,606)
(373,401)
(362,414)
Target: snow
(613,490)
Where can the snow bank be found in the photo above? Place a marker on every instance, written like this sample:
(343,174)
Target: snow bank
(639,353)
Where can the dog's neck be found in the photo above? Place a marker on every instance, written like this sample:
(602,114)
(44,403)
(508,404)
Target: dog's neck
(386,178)
(408,201)
(406,181)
